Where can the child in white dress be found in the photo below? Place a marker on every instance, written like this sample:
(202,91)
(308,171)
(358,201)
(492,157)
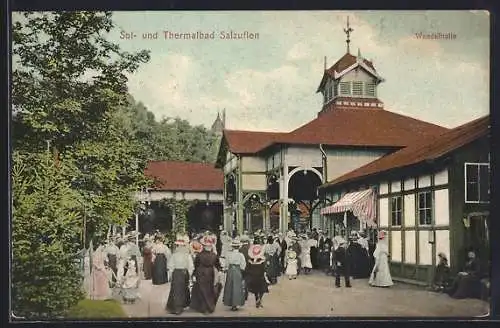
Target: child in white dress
(291,265)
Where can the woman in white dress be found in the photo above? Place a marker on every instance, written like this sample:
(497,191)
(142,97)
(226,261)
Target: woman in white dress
(381,275)
(306,254)
(130,286)
(291,265)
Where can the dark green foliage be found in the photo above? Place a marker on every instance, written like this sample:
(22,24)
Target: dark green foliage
(69,89)
(46,226)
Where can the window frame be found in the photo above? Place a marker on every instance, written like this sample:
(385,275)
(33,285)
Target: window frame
(349,86)
(477,165)
(361,89)
(366,89)
(397,212)
(425,208)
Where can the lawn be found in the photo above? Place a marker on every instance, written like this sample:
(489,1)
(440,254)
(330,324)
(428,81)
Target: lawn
(91,309)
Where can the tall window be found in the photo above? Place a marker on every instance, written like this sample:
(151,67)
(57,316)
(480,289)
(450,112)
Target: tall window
(396,210)
(370,89)
(345,88)
(357,88)
(335,89)
(477,182)
(425,208)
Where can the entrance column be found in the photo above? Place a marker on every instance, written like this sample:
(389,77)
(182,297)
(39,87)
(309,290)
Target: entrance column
(173,219)
(284,199)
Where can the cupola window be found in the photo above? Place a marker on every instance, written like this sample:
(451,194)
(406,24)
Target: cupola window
(370,89)
(345,88)
(357,88)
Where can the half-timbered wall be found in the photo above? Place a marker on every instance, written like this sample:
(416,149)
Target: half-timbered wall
(231,163)
(254,182)
(341,161)
(253,164)
(304,156)
(413,242)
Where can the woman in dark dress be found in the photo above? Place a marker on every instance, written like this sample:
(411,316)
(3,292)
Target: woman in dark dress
(160,252)
(442,274)
(147,254)
(271,250)
(181,266)
(257,281)
(467,283)
(204,294)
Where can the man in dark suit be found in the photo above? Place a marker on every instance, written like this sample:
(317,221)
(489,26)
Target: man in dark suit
(284,247)
(321,251)
(341,260)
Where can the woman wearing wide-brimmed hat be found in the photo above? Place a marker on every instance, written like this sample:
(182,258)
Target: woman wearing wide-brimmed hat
(257,281)
(181,266)
(381,275)
(234,292)
(205,291)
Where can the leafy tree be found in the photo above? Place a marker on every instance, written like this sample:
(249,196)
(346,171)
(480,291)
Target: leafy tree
(110,169)
(46,227)
(69,87)
(66,76)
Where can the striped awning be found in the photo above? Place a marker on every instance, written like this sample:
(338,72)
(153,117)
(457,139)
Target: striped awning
(361,203)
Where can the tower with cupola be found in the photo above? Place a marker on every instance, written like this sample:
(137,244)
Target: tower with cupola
(351,82)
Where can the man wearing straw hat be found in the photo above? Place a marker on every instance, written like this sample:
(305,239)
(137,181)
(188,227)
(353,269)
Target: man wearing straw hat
(181,266)
(342,264)
(234,290)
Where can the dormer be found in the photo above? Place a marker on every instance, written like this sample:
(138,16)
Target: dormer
(350,77)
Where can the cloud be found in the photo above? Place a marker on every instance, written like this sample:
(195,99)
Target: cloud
(413,46)
(424,78)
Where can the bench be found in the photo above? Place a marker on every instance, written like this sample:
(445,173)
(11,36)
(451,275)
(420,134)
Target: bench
(411,281)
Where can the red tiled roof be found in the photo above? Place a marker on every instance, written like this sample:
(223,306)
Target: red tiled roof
(429,148)
(357,126)
(249,142)
(340,127)
(185,176)
(346,61)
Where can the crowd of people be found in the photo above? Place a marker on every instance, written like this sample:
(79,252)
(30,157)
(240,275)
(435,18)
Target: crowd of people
(201,266)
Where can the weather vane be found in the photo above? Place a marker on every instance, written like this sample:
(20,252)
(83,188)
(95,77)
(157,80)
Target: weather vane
(348,31)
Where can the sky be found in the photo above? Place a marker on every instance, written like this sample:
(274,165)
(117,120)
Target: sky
(270,83)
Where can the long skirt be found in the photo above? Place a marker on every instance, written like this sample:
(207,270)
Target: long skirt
(306,261)
(381,275)
(159,273)
(234,293)
(113,264)
(100,285)
(178,297)
(272,268)
(147,264)
(204,294)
